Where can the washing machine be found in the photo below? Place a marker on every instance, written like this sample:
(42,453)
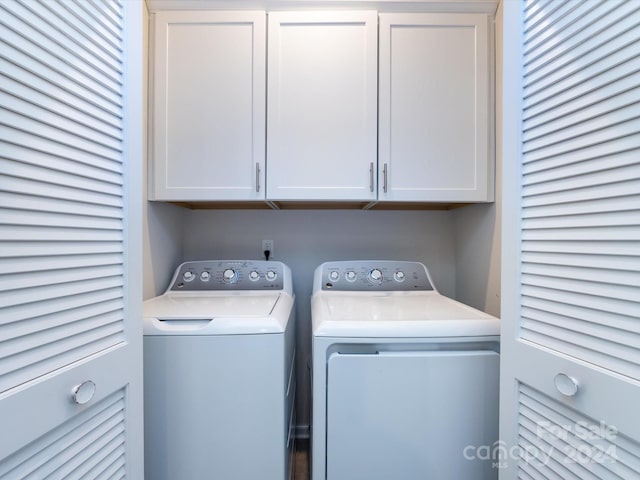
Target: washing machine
(219,379)
(405,380)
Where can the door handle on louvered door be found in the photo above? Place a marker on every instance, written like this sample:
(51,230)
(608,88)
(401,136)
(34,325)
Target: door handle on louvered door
(566,385)
(83,392)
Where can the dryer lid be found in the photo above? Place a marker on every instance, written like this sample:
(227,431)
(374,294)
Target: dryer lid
(398,314)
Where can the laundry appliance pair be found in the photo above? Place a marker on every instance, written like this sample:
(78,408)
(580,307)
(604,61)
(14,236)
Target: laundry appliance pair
(404,379)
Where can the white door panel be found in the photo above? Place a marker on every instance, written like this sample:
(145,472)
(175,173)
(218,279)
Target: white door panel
(600,393)
(48,402)
(570,381)
(71,161)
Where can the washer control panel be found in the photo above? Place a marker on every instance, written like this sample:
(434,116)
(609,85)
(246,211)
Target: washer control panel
(228,275)
(384,275)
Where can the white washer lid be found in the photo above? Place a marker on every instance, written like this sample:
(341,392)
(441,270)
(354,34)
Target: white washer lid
(201,313)
(398,314)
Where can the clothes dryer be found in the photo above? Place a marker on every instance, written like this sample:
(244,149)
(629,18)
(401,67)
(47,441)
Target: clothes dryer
(405,380)
(219,378)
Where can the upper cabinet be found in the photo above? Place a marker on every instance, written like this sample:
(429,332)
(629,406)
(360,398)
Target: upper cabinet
(208,121)
(343,106)
(434,112)
(322,106)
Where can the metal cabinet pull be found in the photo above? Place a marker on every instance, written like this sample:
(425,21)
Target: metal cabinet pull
(257,177)
(384,176)
(371,176)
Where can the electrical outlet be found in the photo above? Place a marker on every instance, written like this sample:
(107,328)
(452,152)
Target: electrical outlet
(268,245)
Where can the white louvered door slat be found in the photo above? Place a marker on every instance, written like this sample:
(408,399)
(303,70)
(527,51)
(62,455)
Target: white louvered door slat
(35,27)
(36,113)
(70,38)
(70,164)
(571,239)
(84,164)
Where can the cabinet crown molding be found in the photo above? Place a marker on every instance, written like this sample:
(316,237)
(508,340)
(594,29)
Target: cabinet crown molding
(440,6)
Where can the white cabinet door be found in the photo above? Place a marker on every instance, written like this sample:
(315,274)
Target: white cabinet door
(322,106)
(209,106)
(434,115)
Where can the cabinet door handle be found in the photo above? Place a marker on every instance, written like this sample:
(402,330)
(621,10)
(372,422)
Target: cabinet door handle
(371,176)
(384,177)
(257,177)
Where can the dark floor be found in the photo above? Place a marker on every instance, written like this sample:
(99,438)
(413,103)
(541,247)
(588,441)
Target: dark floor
(301,464)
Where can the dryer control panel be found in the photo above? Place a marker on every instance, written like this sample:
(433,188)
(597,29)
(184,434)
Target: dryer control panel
(366,275)
(228,275)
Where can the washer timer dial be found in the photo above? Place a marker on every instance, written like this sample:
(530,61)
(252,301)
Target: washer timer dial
(375,276)
(229,275)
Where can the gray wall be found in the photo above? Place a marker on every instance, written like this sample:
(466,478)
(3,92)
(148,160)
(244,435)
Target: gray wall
(162,251)
(304,239)
(477,257)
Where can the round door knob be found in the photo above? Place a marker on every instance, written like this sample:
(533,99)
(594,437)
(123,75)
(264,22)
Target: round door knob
(566,385)
(83,392)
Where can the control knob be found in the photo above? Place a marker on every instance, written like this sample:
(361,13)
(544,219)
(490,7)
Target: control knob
(254,275)
(188,276)
(334,275)
(375,276)
(399,276)
(229,275)
(271,275)
(205,276)
(351,276)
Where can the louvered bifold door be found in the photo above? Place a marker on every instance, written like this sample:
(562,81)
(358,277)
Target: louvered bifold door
(571,278)
(69,336)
